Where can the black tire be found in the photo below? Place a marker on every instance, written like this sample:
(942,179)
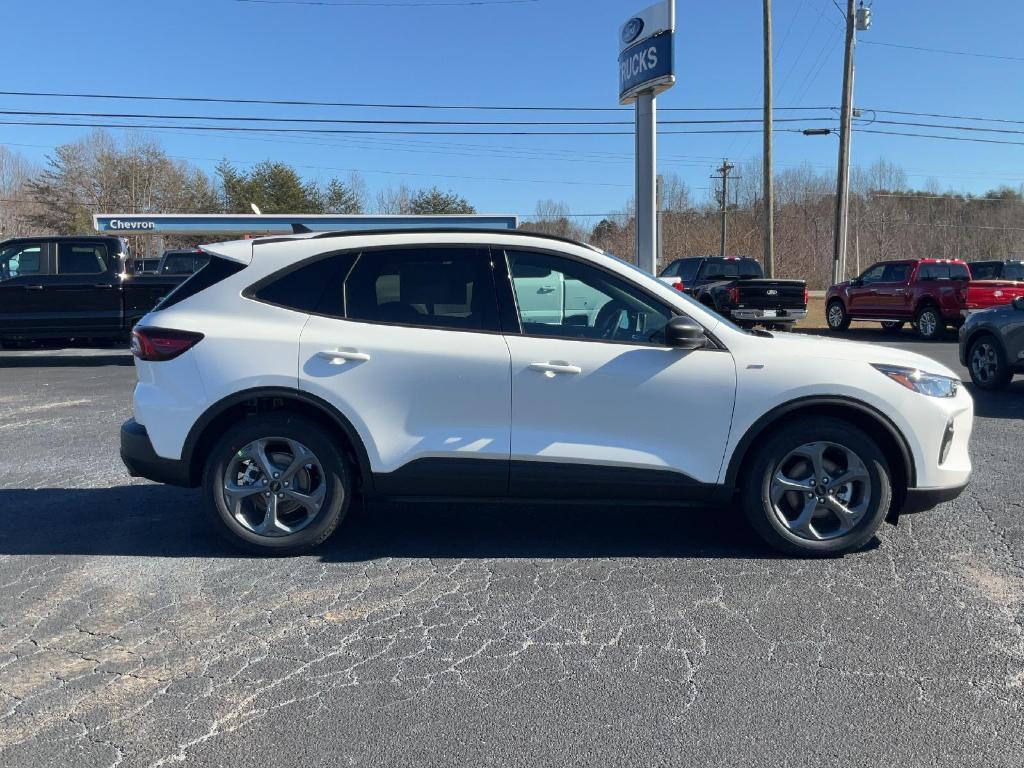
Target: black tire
(893,326)
(766,461)
(336,477)
(997,373)
(928,322)
(836,316)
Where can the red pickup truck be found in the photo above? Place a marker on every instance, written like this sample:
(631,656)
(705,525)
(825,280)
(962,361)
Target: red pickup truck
(993,284)
(930,293)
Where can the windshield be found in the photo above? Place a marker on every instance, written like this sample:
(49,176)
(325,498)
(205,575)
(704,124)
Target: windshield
(684,297)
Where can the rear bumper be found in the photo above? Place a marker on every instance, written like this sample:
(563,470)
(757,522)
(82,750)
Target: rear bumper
(923,499)
(780,316)
(142,461)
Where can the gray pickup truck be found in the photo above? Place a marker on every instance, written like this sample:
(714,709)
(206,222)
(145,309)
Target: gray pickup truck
(75,287)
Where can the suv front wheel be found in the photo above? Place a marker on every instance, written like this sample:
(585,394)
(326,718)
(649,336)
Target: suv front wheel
(277,484)
(929,322)
(817,487)
(836,316)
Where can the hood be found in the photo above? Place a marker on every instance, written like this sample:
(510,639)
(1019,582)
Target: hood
(796,345)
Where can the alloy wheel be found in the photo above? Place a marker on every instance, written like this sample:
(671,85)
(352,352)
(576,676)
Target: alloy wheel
(274,486)
(927,323)
(835,315)
(820,491)
(984,362)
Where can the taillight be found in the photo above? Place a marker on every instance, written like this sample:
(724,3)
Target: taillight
(734,295)
(807,295)
(158,344)
(678,285)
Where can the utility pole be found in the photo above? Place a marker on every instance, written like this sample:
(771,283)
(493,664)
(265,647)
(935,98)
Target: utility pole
(855,19)
(767,172)
(723,174)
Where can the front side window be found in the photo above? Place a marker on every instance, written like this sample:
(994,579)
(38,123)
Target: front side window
(21,260)
(688,269)
(440,287)
(567,299)
(874,275)
(81,259)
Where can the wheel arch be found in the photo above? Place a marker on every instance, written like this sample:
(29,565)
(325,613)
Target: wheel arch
(251,402)
(877,425)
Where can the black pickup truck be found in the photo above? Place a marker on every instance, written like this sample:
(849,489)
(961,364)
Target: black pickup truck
(73,288)
(736,287)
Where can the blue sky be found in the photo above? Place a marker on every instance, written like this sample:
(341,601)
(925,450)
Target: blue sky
(548,52)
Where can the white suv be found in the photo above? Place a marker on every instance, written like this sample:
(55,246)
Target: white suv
(292,373)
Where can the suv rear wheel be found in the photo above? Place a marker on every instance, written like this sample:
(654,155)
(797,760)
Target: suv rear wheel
(817,487)
(987,363)
(277,484)
(836,316)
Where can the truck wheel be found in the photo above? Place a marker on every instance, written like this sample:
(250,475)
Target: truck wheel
(892,326)
(836,316)
(277,484)
(817,487)
(929,322)
(987,363)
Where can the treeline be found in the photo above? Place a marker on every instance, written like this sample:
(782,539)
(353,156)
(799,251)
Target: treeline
(100,174)
(888,218)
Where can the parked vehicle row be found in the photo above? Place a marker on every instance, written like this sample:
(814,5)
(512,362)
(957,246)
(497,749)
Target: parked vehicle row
(291,373)
(73,287)
(992,345)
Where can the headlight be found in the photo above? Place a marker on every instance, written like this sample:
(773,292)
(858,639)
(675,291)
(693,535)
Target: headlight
(930,384)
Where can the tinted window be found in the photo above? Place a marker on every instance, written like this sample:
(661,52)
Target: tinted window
(959,272)
(943,272)
(21,260)
(730,268)
(577,301)
(896,273)
(688,269)
(1013,271)
(81,259)
(183,263)
(984,271)
(874,275)
(442,287)
(213,272)
(315,286)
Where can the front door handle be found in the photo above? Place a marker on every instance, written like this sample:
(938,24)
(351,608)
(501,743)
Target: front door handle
(33,287)
(555,366)
(103,285)
(546,289)
(339,356)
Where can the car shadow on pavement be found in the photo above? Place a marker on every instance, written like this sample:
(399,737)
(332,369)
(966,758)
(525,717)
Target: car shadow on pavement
(163,521)
(1003,404)
(65,360)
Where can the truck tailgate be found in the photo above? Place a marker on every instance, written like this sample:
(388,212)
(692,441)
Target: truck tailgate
(982,294)
(771,294)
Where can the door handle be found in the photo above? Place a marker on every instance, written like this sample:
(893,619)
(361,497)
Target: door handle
(555,366)
(33,287)
(103,285)
(546,289)
(339,356)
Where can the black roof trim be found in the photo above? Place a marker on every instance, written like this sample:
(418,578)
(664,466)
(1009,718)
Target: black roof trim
(57,238)
(436,231)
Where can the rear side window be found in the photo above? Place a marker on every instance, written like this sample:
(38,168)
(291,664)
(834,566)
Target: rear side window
(1013,271)
(943,272)
(688,269)
(211,274)
(984,271)
(730,268)
(440,287)
(81,259)
(312,286)
(896,273)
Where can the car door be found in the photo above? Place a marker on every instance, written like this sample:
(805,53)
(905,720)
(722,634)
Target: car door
(893,297)
(24,266)
(862,295)
(602,408)
(413,356)
(83,294)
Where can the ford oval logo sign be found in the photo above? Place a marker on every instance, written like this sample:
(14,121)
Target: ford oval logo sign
(632,29)
(772,292)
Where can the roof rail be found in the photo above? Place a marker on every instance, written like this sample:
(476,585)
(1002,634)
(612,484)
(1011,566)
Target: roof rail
(449,231)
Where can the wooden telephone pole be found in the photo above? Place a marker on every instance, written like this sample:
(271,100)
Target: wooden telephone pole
(767,172)
(723,175)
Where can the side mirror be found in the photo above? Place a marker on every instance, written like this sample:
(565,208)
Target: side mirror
(1018,303)
(856,282)
(684,333)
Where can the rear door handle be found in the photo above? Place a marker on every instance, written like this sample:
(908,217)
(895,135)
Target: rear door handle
(555,366)
(33,287)
(546,289)
(103,285)
(339,356)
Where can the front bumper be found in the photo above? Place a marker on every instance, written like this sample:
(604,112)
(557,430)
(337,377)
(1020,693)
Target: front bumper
(923,499)
(758,315)
(142,461)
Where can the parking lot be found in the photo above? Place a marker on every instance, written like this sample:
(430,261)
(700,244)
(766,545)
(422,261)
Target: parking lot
(501,635)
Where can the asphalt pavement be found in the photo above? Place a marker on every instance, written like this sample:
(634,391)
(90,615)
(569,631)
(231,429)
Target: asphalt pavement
(487,635)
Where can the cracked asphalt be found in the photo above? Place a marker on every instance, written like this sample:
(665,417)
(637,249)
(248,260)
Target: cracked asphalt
(499,635)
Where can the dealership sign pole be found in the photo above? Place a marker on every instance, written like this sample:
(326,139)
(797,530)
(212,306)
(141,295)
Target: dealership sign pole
(645,70)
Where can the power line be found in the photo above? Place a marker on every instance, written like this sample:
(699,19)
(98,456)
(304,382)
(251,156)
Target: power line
(946,117)
(943,50)
(944,138)
(974,128)
(374,105)
(337,121)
